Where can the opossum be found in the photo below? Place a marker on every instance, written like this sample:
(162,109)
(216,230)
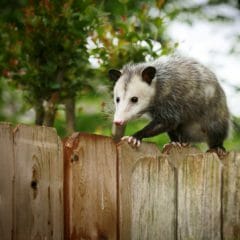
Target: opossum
(181,96)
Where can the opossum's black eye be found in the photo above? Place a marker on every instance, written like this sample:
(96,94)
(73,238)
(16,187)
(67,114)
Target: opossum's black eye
(118,99)
(134,99)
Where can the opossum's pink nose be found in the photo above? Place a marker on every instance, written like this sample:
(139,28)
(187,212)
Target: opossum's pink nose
(119,123)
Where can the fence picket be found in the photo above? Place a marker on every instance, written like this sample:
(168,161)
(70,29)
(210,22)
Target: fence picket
(231,197)
(38,190)
(6,181)
(91,187)
(153,200)
(199,197)
(127,160)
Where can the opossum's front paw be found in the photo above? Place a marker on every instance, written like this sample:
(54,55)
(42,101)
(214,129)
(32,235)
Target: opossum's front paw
(221,152)
(134,142)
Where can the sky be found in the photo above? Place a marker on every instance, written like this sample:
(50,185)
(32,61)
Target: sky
(210,43)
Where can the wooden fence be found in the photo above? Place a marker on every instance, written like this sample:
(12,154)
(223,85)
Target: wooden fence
(90,188)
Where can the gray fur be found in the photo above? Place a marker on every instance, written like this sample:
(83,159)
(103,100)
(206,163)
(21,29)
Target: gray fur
(189,102)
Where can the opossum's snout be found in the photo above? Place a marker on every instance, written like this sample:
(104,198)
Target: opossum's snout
(126,112)
(119,122)
(119,118)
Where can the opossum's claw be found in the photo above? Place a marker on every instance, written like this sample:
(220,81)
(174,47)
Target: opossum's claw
(178,144)
(130,140)
(185,144)
(138,143)
(221,152)
(167,147)
(124,138)
(134,142)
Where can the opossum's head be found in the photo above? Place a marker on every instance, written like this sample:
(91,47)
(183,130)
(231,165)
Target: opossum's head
(133,93)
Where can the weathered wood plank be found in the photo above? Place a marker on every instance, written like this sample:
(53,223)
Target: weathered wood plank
(199,197)
(6,181)
(177,154)
(143,194)
(38,207)
(91,187)
(153,200)
(231,197)
(113,192)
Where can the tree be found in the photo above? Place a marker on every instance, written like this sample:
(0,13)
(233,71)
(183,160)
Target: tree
(48,48)
(133,33)
(47,53)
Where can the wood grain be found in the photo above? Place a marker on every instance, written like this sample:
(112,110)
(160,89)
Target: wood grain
(38,206)
(177,154)
(113,191)
(199,197)
(127,160)
(231,197)
(6,181)
(91,185)
(153,200)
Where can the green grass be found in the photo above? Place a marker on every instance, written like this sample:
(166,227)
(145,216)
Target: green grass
(233,142)
(92,123)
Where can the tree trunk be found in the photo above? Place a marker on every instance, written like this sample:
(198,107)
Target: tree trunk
(70,115)
(50,110)
(49,117)
(39,110)
(51,104)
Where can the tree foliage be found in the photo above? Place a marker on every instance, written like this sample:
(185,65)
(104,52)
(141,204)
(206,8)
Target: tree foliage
(47,47)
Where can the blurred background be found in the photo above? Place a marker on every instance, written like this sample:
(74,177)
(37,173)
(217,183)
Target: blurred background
(55,55)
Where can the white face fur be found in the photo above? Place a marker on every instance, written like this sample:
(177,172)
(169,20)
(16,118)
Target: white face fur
(131,100)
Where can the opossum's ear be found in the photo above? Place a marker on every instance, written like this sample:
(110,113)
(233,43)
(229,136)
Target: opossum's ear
(148,74)
(114,74)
